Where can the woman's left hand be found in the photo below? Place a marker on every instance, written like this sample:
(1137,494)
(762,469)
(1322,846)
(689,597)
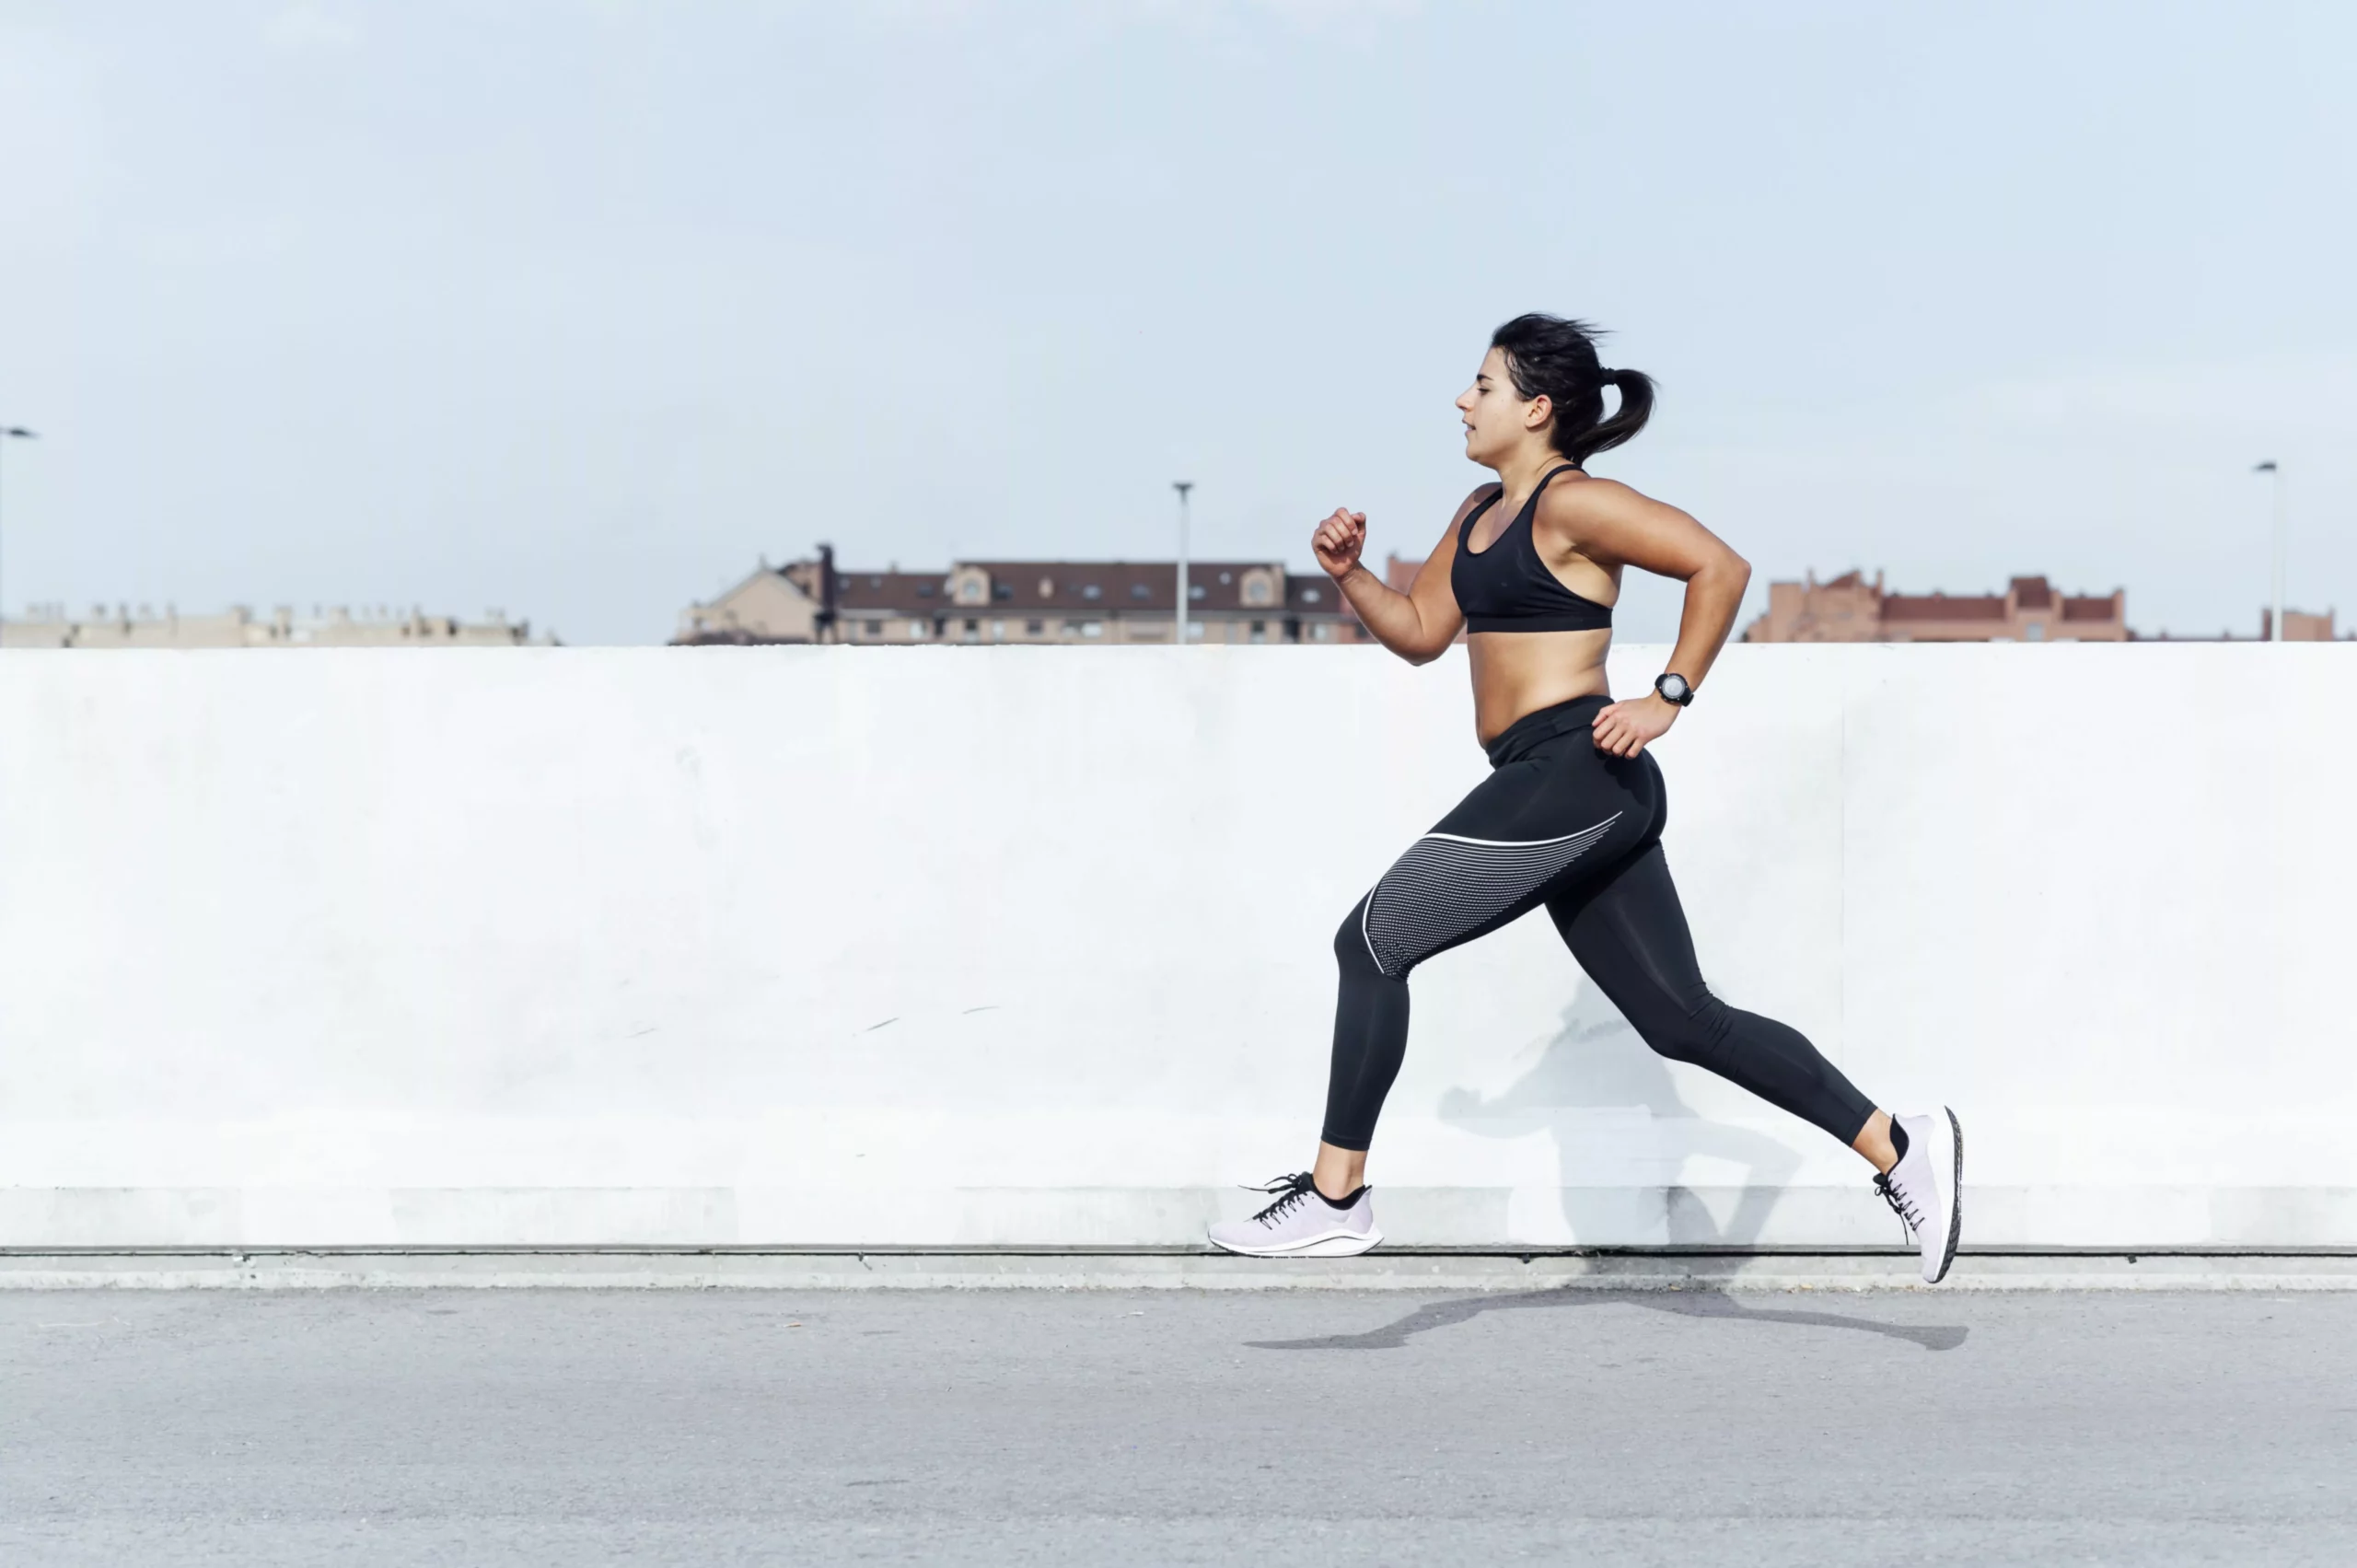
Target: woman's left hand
(1625,728)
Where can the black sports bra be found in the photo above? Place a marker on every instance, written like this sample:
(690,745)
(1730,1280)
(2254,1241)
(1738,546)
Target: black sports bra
(1507,588)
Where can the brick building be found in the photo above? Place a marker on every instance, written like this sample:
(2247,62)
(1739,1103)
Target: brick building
(1848,609)
(1024,602)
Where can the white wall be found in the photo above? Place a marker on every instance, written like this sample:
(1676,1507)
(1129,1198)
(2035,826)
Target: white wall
(1031,946)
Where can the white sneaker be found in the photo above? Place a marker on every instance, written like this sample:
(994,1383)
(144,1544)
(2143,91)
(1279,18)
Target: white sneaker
(1925,1187)
(1301,1224)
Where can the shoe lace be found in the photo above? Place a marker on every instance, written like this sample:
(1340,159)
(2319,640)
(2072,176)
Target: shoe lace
(1289,1191)
(1902,1202)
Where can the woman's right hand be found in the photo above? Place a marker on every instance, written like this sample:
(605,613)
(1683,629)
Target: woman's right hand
(1338,541)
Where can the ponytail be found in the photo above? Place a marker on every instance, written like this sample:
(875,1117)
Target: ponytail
(1555,358)
(1636,407)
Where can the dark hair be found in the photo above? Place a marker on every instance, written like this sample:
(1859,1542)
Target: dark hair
(1552,357)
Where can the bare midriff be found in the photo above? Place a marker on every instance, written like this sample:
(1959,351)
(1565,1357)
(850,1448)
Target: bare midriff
(1517,673)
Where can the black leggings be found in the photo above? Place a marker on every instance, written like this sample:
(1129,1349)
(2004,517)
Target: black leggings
(1558,823)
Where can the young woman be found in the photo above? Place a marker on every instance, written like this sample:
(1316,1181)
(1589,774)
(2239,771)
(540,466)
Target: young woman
(1571,816)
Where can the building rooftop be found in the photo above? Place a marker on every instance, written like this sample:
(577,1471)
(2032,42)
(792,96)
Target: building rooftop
(1940,607)
(891,593)
(1137,587)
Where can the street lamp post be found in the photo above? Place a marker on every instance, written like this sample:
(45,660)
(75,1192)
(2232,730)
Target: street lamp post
(1180,626)
(2275,621)
(12,433)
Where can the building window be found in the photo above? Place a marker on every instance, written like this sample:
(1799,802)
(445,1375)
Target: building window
(924,590)
(1309,595)
(1259,631)
(1002,590)
(1320,632)
(1034,628)
(998,631)
(1227,577)
(2034,632)
(1139,590)
(973,629)
(1092,628)
(871,628)
(917,629)
(1092,591)
(1194,592)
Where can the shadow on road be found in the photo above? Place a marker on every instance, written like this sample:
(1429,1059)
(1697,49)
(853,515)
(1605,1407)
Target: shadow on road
(1683,1304)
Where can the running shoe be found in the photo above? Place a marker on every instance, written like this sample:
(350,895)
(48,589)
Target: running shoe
(1302,1223)
(1925,1187)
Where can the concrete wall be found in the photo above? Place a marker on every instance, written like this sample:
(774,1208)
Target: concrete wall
(1021,946)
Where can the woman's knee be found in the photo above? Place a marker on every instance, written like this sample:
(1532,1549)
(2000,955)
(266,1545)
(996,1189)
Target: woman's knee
(1351,948)
(1690,1031)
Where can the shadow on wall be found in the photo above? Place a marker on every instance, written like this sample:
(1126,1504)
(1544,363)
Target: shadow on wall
(1596,1061)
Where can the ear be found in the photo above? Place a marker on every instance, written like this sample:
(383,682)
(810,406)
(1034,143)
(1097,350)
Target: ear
(1537,412)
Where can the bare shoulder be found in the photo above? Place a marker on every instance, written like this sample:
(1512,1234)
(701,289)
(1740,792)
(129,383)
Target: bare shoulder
(1446,548)
(1615,524)
(1590,497)
(1489,491)
(1601,506)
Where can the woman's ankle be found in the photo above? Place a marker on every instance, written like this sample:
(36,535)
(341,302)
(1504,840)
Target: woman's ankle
(1338,1173)
(1874,1142)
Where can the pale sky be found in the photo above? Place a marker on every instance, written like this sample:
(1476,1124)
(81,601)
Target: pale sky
(578,309)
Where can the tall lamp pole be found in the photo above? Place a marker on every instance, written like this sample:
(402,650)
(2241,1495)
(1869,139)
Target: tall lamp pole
(1180,628)
(12,433)
(2275,622)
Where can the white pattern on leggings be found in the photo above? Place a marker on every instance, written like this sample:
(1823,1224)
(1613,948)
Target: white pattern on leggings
(1447,885)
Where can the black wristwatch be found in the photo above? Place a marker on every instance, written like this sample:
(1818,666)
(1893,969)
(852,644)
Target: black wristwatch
(1673,688)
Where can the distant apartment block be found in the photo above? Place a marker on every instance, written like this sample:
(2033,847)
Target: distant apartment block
(50,626)
(1099,603)
(1848,609)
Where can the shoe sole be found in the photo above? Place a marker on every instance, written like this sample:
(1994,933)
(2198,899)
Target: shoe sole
(1339,1244)
(1956,1197)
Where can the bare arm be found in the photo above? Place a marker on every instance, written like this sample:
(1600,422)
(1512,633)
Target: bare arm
(1614,526)
(1417,625)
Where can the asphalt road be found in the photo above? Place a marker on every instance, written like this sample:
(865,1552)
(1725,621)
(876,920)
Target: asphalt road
(1040,1427)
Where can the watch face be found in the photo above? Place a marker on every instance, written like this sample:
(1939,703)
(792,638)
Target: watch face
(1673,688)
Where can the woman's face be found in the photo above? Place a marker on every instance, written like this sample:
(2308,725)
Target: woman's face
(1496,416)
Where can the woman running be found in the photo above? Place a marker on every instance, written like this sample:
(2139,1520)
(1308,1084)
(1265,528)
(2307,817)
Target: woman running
(1571,816)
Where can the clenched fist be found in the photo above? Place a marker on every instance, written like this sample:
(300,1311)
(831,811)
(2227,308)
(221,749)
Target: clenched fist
(1338,541)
